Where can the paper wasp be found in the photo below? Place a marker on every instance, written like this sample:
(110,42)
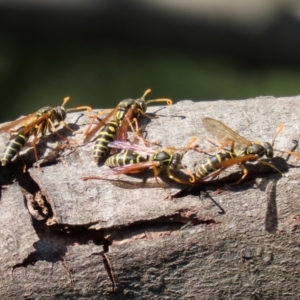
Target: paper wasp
(36,124)
(242,150)
(137,158)
(116,124)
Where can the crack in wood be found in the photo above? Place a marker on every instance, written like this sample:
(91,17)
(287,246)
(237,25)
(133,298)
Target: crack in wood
(55,248)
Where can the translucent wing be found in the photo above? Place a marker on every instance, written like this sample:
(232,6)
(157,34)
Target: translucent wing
(129,169)
(90,133)
(122,131)
(235,160)
(123,145)
(24,121)
(222,132)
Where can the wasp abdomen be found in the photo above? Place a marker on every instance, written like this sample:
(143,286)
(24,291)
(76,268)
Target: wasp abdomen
(212,164)
(106,135)
(124,158)
(14,145)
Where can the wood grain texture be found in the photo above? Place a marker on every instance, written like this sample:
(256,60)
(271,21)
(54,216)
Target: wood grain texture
(241,243)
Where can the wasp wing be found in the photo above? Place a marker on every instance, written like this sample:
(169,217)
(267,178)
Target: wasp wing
(222,132)
(129,169)
(25,129)
(123,129)
(124,145)
(235,160)
(23,121)
(89,133)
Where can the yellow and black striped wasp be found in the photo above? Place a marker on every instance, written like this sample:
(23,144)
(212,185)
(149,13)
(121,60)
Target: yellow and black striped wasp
(116,124)
(241,151)
(36,124)
(136,158)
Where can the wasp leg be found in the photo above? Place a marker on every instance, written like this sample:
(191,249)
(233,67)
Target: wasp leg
(156,172)
(68,127)
(55,131)
(178,180)
(34,146)
(138,135)
(101,112)
(38,131)
(142,113)
(189,173)
(217,149)
(245,173)
(213,175)
(271,166)
(95,116)
(91,123)
(245,170)
(87,108)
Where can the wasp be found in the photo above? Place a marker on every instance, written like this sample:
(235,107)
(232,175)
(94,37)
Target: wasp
(137,158)
(36,124)
(242,150)
(116,124)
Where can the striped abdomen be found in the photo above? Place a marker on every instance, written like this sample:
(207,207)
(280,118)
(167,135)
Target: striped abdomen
(124,158)
(15,144)
(105,136)
(213,164)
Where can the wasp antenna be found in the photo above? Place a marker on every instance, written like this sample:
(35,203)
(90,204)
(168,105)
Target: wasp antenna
(66,99)
(191,143)
(278,131)
(281,151)
(167,100)
(148,91)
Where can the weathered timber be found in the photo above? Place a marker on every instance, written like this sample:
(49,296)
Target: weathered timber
(65,238)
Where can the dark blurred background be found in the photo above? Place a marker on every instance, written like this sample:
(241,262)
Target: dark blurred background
(100,52)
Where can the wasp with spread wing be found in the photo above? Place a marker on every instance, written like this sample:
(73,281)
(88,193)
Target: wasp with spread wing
(137,158)
(36,124)
(242,150)
(116,124)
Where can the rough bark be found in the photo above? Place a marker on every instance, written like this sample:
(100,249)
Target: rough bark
(65,238)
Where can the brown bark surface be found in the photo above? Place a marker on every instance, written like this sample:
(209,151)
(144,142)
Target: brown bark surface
(65,238)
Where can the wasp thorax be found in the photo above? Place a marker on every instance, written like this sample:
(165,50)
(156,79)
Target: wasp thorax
(162,156)
(124,106)
(43,110)
(256,149)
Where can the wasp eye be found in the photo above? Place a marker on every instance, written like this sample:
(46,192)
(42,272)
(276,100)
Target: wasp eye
(269,150)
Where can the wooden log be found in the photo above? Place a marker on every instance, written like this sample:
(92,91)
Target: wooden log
(83,239)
